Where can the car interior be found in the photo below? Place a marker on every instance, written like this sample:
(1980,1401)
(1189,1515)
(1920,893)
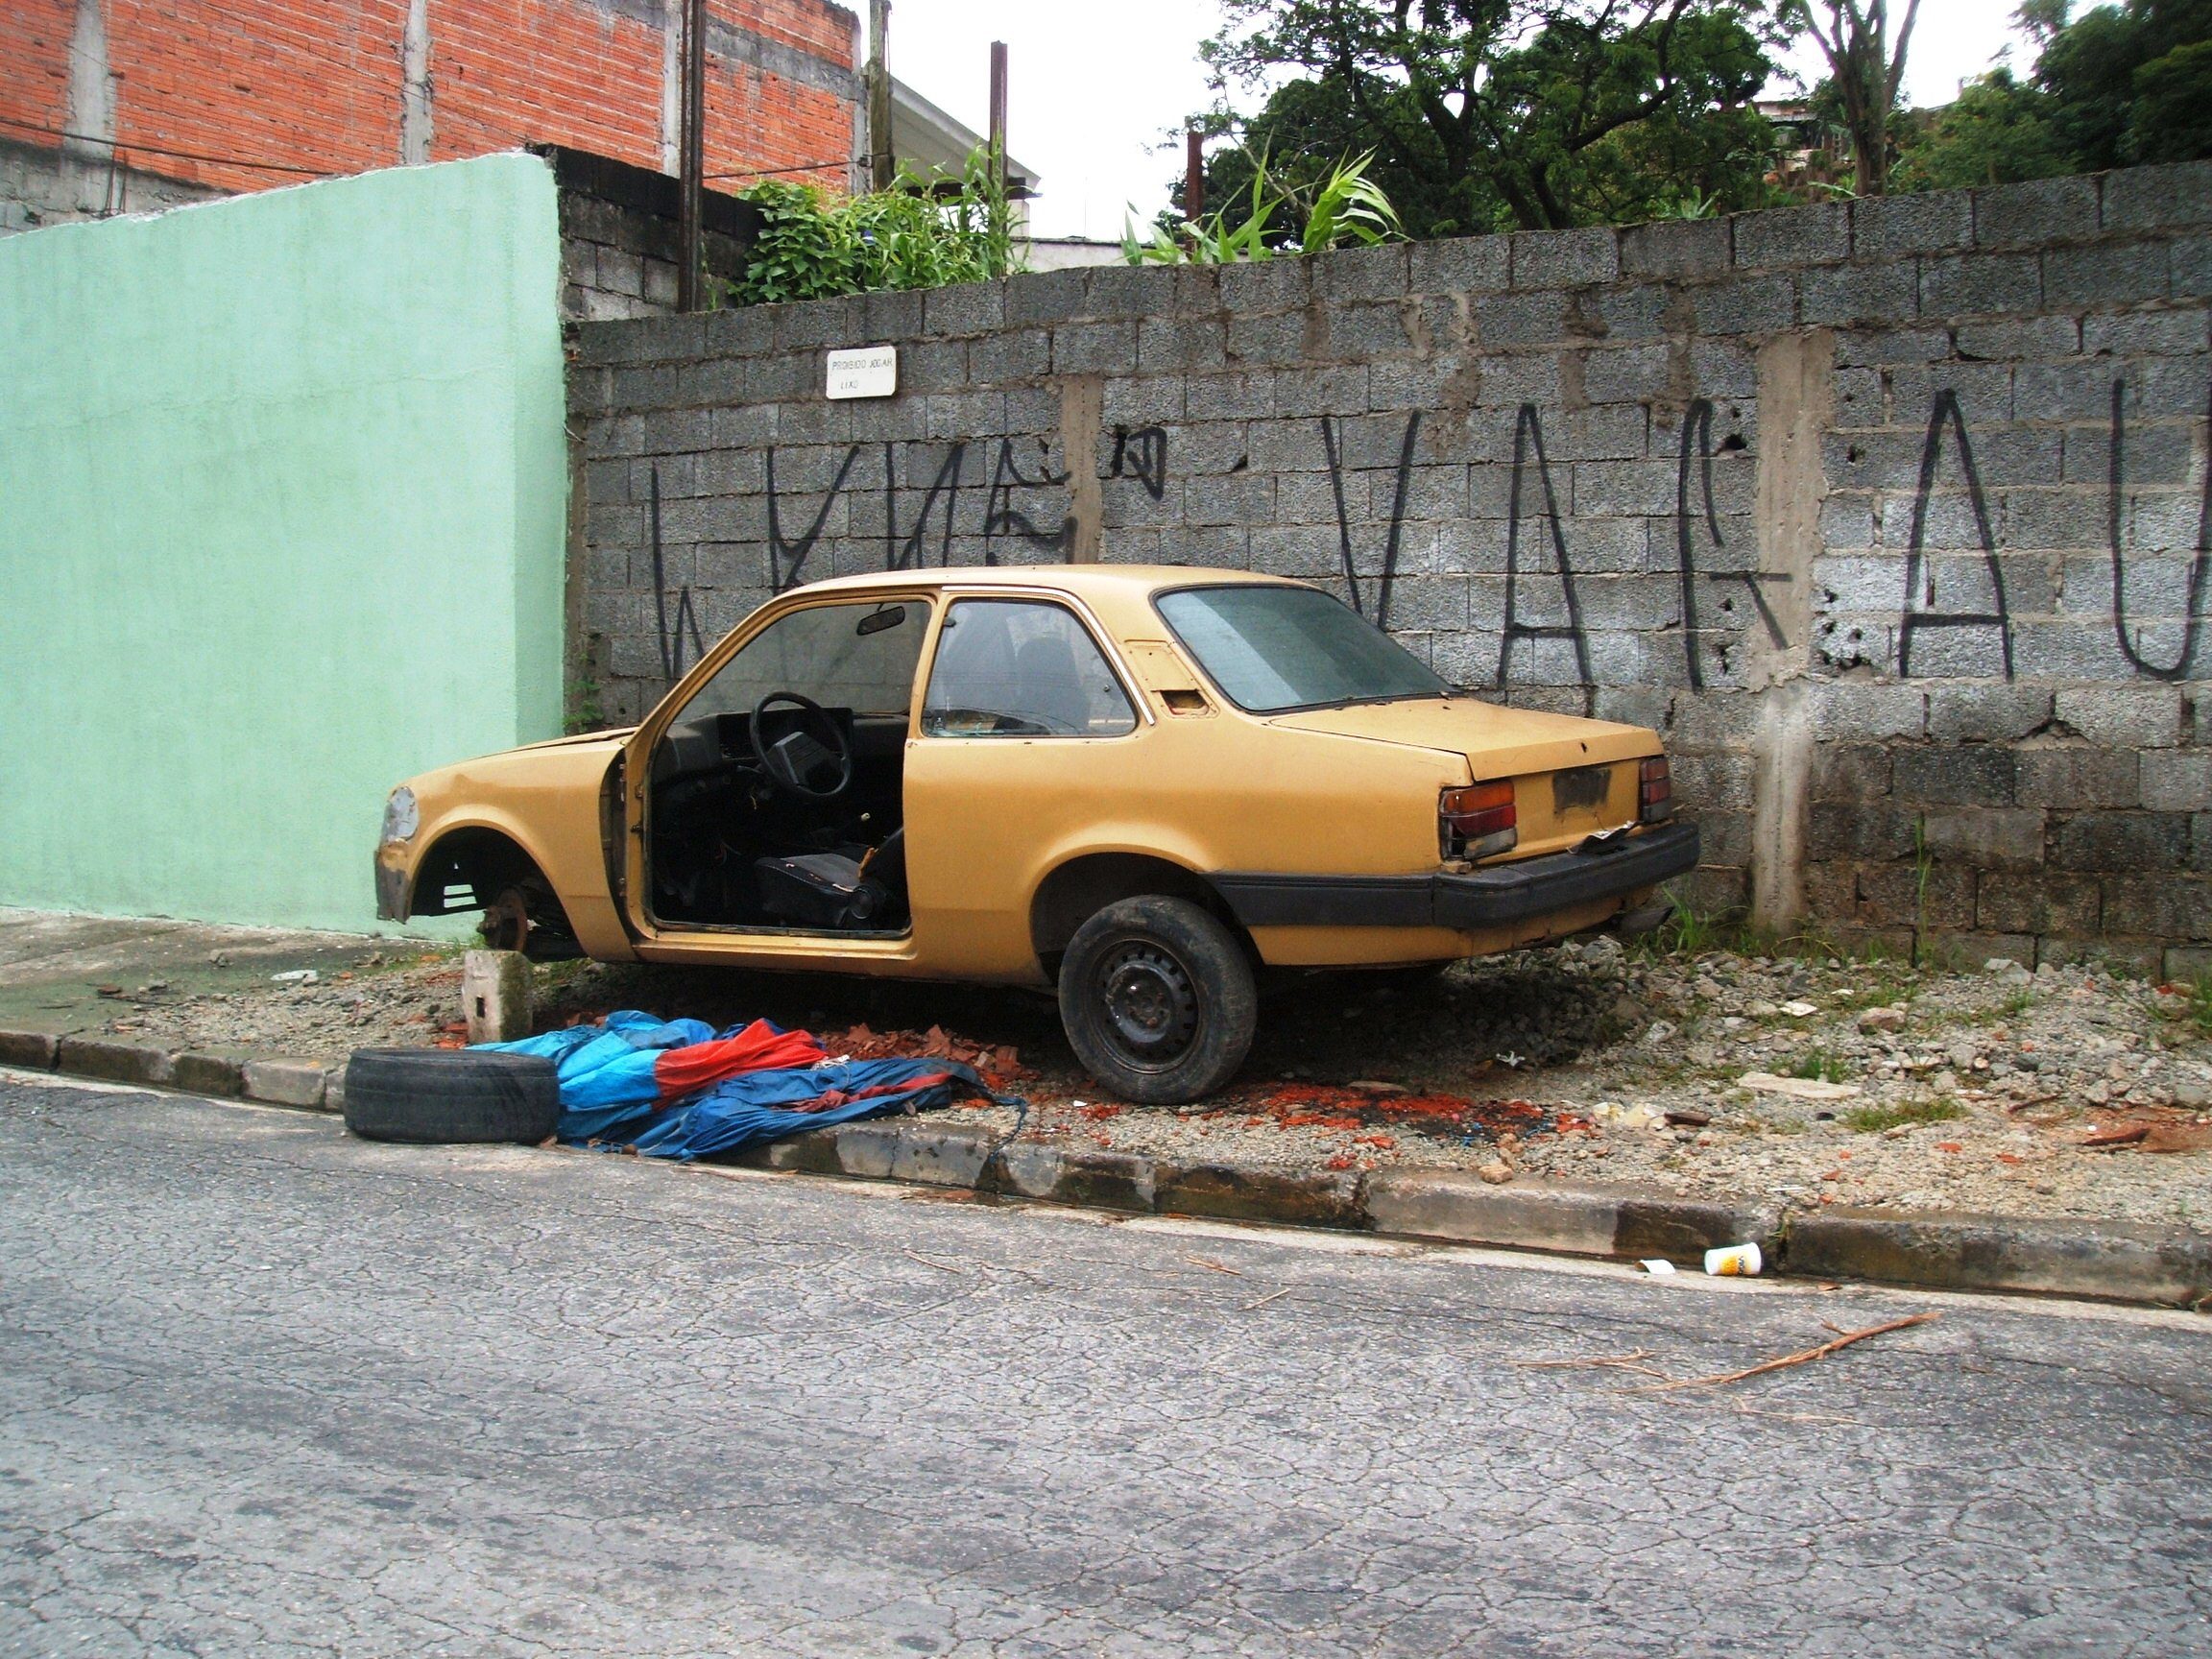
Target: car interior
(774,796)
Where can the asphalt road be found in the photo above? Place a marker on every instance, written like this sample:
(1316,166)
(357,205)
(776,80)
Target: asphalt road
(268,1390)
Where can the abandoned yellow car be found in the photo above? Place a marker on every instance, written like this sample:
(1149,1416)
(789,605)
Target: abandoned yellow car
(1140,785)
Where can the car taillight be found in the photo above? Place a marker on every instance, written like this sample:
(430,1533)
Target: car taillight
(1654,791)
(1479,821)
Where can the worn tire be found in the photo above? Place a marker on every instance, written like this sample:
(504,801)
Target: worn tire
(431,1097)
(1157,998)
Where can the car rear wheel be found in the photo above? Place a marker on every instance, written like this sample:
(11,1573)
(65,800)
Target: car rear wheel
(1158,1000)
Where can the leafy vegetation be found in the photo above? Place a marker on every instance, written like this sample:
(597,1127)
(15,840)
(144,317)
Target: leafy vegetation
(1822,1065)
(1496,114)
(2120,83)
(1873,1119)
(1345,208)
(922,232)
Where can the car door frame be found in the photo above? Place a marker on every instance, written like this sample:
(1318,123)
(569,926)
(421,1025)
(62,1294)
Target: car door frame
(1002,951)
(704,942)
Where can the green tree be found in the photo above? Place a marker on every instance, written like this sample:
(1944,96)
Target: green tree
(2120,83)
(1865,71)
(1999,131)
(1488,114)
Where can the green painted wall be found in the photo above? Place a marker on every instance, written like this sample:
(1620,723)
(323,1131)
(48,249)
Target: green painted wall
(281,497)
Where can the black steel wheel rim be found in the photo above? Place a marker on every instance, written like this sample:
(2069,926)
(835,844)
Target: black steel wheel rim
(1149,1002)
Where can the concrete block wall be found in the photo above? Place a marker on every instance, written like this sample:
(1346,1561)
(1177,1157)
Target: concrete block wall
(1891,515)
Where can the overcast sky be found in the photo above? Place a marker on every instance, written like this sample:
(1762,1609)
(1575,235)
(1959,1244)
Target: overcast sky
(1095,88)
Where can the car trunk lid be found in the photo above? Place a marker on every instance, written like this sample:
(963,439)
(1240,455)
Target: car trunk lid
(1571,776)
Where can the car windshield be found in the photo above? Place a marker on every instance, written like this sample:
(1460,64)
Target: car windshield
(1273,648)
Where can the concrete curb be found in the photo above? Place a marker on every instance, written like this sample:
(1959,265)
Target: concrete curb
(2106,1260)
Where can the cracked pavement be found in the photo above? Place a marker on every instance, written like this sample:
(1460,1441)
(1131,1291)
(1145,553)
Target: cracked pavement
(267,1389)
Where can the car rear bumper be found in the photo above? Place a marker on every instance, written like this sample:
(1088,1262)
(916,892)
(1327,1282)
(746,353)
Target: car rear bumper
(1494,898)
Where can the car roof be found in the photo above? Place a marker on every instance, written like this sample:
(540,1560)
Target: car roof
(1085,580)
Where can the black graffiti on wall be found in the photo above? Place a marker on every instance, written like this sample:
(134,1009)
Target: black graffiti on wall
(1919,574)
(1528,439)
(1698,449)
(1332,444)
(672,641)
(2116,486)
(1140,455)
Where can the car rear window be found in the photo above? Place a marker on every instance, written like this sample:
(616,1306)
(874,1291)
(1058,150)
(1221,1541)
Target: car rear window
(1270,649)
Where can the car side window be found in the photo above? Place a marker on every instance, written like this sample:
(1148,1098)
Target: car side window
(1022,669)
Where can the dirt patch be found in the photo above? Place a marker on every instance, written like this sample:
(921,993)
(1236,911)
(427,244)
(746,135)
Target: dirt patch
(2060,1091)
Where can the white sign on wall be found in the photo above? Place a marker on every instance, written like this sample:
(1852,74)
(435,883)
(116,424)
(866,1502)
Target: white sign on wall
(864,371)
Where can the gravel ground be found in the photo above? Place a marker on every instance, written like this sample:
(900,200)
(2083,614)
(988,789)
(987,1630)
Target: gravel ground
(1871,1083)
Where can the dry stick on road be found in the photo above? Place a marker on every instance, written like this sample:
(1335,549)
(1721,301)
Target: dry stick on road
(1271,1296)
(1596,1362)
(1843,1341)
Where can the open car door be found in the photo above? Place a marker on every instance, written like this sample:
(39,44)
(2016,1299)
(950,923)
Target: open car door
(763,799)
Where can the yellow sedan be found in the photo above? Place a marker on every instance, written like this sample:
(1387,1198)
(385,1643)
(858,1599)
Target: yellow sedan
(1141,786)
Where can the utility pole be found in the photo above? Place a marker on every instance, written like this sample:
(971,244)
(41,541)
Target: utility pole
(999,117)
(693,158)
(883,154)
(1194,174)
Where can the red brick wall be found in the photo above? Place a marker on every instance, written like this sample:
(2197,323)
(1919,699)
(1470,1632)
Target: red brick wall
(317,83)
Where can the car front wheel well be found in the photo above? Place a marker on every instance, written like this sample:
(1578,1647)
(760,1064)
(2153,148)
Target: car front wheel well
(1082,887)
(480,869)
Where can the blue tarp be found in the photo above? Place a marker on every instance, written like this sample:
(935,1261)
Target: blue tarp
(610,1093)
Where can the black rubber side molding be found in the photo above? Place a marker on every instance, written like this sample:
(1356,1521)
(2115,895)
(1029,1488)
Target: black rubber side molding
(433,1096)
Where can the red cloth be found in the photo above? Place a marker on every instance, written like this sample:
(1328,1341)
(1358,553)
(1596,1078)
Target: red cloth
(758,1047)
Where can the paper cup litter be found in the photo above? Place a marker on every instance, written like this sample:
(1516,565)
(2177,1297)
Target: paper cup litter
(1737,1261)
(1658,1267)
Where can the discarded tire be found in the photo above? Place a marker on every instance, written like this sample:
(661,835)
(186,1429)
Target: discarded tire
(432,1096)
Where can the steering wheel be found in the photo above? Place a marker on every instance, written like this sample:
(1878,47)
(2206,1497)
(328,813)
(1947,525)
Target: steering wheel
(813,761)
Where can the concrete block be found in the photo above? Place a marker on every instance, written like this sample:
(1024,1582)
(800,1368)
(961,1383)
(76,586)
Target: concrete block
(1984,713)
(1105,1180)
(1817,235)
(285,1082)
(1676,248)
(1233,1192)
(1094,348)
(209,1071)
(1987,839)
(1267,285)
(903,1149)
(2035,214)
(1045,297)
(1858,710)
(33,1049)
(1520,1215)
(2039,902)
(115,1062)
(2176,781)
(2062,1258)
(495,995)
(2139,716)
(1565,258)
(1377,273)
(2157,197)
(1463,265)
(1883,227)
(1752,304)
(2159,906)
(1128,290)
(1978,284)
(1846,294)
(2106,275)
(2120,841)
(1972,776)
